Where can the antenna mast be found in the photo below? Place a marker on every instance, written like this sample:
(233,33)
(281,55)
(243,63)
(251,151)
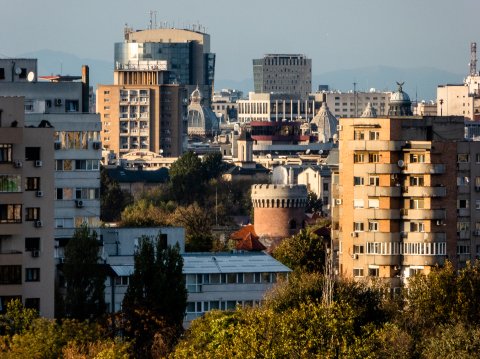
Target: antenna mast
(473,58)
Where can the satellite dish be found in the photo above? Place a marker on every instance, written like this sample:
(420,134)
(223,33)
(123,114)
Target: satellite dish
(400,163)
(18,70)
(31,76)
(307,152)
(320,152)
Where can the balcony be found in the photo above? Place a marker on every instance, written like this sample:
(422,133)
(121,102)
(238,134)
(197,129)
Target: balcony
(425,236)
(361,214)
(463,212)
(379,191)
(422,260)
(377,145)
(383,260)
(381,237)
(463,189)
(412,214)
(424,168)
(375,168)
(421,191)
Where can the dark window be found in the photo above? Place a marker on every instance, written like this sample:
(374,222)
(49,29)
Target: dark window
(6,152)
(80,164)
(32,303)
(23,73)
(32,214)
(32,274)
(293,224)
(163,241)
(32,153)
(10,213)
(71,105)
(59,193)
(32,184)
(2,73)
(32,244)
(10,274)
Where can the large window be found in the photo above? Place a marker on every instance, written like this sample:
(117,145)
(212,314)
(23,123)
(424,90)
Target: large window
(10,183)
(32,183)
(87,165)
(416,181)
(6,152)
(358,181)
(32,153)
(32,214)
(32,274)
(358,226)
(374,181)
(10,274)
(373,157)
(417,158)
(32,244)
(10,213)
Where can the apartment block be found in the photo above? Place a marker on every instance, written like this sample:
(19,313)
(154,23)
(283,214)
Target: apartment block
(27,268)
(353,103)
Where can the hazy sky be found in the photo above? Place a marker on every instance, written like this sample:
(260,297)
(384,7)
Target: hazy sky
(336,34)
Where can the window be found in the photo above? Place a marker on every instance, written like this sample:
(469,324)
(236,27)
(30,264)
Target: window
(358,203)
(10,274)
(462,203)
(32,244)
(358,135)
(358,226)
(477,158)
(358,158)
(463,158)
(373,203)
(6,152)
(417,203)
(10,213)
(32,303)
(374,135)
(2,73)
(358,181)
(64,223)
(64,165)
(71,105)
(87,193)
(32,274)
(122,280)
(32,214)
(374,181)
(416,181)
(373,272)
(87,165)
(477,204)
(463,249)
(23,73)
(463,181)
(358,249)
(373,226)
(417,227)
(325,187)
(32,183)
(417,158)
(358,272)
(32,153)
(373,157)
(10,183)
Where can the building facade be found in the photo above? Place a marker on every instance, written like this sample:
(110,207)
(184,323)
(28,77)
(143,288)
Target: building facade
(353,103)
(26,210)
(283,73)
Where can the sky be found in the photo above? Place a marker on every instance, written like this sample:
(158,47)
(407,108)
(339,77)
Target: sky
(335,34)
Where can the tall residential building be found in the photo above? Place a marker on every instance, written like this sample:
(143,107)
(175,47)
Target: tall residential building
(404,194)
(184,54)
(26,210)
(284,74)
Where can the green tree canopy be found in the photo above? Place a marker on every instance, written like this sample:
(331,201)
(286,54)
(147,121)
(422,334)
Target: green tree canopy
(84,276)
(112,199)
(187,178)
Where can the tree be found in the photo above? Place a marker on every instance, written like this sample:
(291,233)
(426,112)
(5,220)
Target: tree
(304,251)
(156,297)
(314,204)
(112,199)
(213,166)
(84,276)
(198,227)
(187,178)
(143,213)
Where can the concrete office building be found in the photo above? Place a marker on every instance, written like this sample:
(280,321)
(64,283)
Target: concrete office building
(283,74)
(63,103)
(403,195)
(353,103)
(26,210)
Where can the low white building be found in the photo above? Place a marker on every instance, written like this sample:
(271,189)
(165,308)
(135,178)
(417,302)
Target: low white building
(318,180)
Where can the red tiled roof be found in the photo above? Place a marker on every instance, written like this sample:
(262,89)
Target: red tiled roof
(247,239)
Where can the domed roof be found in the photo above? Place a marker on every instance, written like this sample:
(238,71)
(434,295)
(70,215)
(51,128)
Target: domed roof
(369,111)
(400,104)
(324,123)
(196,96)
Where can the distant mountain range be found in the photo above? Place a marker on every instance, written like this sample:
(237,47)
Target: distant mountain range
(420,82)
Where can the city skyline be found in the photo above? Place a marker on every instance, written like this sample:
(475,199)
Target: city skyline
(338,35)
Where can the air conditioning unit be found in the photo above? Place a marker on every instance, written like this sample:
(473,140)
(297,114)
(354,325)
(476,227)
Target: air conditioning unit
(17,164)
(39,194)
(439,222)
(354,234)
(97,145)
(38,224)
(57,145)
(38,163)
(79,203)
(57,102)
(35,253)
(338,201)
(355,256)
(339,128)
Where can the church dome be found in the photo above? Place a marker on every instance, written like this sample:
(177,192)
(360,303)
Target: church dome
(369,111)
(400,104)
(324,124)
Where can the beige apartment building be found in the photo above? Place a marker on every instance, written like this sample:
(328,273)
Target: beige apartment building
(27,167)
(405,196)
(460,99)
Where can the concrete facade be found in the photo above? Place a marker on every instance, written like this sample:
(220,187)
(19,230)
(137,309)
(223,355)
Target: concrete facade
(26,210)
(352,104)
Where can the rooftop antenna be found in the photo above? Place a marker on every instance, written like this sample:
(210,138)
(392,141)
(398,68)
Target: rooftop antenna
(473,58)
(355,97)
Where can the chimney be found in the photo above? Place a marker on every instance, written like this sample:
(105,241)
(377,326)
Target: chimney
(85,89)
